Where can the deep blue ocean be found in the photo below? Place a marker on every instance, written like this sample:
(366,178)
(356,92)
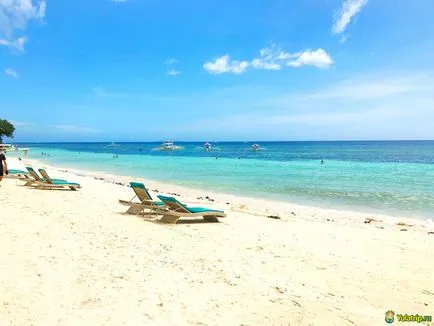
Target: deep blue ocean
(393,177)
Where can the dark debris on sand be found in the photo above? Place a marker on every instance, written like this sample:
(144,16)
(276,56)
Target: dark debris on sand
(207,197)
(370,219)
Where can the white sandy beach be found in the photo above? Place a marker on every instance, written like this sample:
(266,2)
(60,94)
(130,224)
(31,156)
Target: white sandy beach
(73,258)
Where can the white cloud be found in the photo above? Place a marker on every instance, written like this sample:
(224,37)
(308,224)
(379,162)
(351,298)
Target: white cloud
(15,14)
(12,73)
(267,59)
(42,9)
(15,45)
(225,65)
(173,72)
(75,129)
(271,58)
(318,58)
(171,61)
(349,9)
(262,64)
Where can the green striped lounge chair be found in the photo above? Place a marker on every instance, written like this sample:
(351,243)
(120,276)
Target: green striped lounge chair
(145,200)
(36,178)
(177,210)
(17,174)
(55,183)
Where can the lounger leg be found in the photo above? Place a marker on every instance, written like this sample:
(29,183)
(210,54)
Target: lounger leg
(169,219)
(211,218)
(135,209)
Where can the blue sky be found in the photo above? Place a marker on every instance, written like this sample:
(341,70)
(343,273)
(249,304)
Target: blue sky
(145,70)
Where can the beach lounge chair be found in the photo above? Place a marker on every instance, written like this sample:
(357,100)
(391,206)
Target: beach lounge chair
(176,210)
(17,174)
(146,201)
(55,183)
(36,178)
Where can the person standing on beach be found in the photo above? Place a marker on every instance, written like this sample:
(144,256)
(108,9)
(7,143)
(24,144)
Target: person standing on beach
(3,165)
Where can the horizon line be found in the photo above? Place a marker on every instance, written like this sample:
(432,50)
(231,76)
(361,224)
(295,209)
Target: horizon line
(225,141)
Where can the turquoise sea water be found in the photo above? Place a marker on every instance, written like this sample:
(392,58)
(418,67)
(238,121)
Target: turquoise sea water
(395,177)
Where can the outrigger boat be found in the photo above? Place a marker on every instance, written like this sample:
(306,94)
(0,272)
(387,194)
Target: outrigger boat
(207,146)
(168,146)
(256,147)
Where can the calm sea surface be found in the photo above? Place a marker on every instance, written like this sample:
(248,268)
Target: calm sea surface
(394,177)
